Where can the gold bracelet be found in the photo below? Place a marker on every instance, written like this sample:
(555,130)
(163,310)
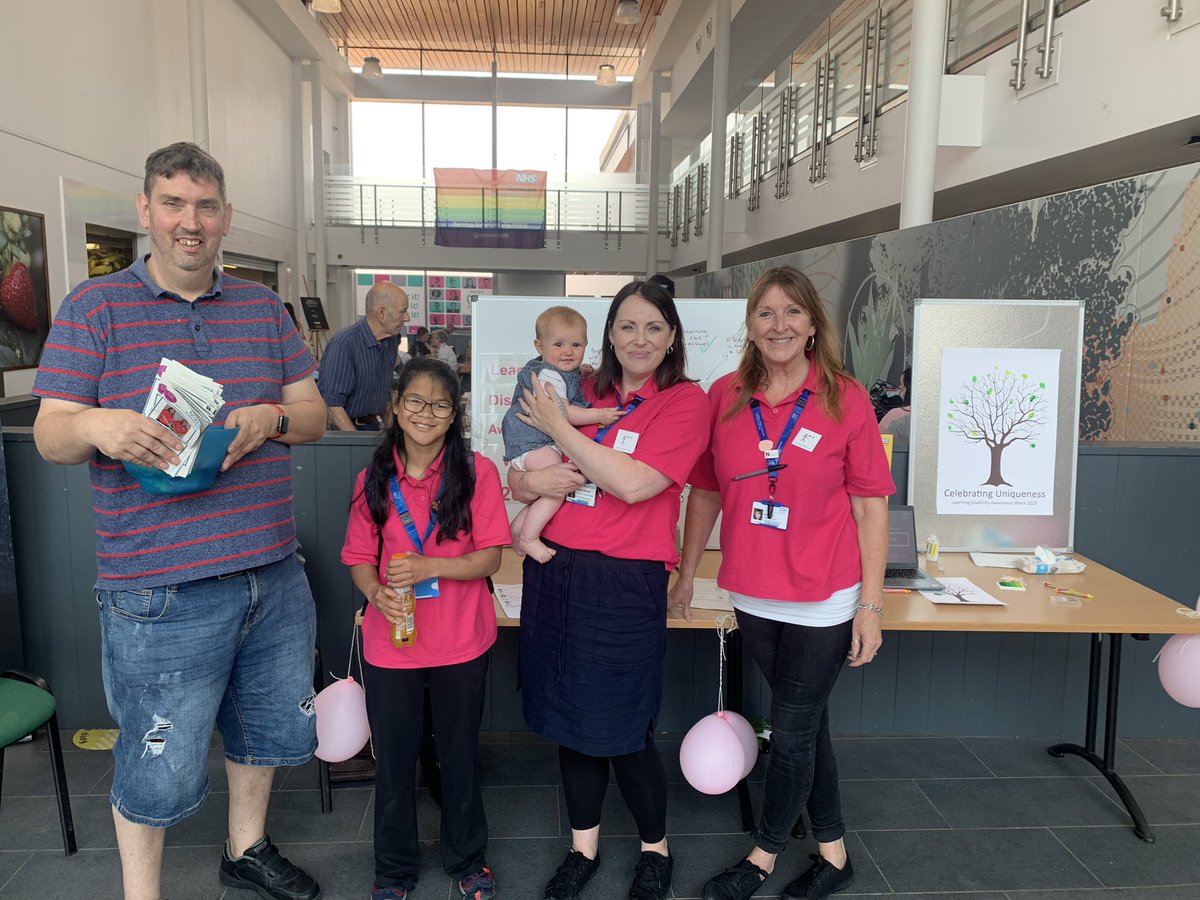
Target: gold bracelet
(878,610)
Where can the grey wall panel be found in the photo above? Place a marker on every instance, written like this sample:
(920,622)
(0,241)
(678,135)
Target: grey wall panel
(922,683)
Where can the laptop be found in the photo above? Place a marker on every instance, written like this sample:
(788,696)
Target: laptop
(902,569)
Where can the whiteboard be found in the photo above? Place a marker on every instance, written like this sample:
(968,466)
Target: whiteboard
(502,334)
(993,509)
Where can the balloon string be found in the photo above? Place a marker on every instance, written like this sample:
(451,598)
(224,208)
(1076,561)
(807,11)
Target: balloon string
(721,671)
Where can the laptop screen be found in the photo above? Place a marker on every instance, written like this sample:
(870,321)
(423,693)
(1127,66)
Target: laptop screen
(902,538)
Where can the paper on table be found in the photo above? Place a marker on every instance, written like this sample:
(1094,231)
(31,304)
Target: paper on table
(706,595)
(961,591)
(995,560)
(509,596)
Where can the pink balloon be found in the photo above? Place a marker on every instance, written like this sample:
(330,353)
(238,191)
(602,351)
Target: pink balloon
(342,728)
(745,732)
(711,755)
(1179,669)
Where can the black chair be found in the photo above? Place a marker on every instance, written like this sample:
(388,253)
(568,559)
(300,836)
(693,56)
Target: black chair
(26,704)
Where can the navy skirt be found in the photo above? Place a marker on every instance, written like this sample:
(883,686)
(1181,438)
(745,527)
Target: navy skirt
(593,640)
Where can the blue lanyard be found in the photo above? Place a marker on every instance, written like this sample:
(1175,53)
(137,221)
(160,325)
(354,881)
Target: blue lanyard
(628,408)
(406,518)
(797,409)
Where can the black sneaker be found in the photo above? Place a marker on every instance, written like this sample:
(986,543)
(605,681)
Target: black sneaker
(651,876)
(571,876)
(736,883)
(263,870)
(821,880)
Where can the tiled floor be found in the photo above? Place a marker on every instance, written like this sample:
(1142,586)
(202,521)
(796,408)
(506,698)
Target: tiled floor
(980,818)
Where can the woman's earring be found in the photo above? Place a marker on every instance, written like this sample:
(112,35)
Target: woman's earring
(670,350)
(811,342)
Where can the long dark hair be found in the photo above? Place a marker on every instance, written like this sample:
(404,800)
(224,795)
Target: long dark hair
(458,473)
(824,356)
(673,369)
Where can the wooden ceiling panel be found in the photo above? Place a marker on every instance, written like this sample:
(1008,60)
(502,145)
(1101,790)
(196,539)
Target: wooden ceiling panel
(529,36)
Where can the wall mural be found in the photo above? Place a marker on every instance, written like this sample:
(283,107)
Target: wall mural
(1130,248)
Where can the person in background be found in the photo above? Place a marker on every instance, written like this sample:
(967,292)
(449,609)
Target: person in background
(203,601)
(419,344)
(664,282)
(356,369)
(898,420)
(422,469)
(440,348)
(796,466)
(594,617)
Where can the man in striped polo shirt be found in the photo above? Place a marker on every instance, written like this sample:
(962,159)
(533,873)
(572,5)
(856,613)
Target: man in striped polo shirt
(357,368)
(206,618)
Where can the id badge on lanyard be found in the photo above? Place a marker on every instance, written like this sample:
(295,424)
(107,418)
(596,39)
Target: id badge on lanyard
(767,513)
(427,589)
(589,493)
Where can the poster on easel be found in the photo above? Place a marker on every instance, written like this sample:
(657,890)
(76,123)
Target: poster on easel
(435,299)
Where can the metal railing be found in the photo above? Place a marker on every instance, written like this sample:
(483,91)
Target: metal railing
(370,205)
(842,81)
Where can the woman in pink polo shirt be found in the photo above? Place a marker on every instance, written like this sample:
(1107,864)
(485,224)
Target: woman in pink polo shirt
(797,468)
(594,617)
(425,496)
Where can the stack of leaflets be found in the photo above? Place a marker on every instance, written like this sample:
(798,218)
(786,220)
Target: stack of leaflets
(186,402)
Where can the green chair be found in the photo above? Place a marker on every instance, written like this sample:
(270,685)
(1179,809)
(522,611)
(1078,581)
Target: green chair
(26,704)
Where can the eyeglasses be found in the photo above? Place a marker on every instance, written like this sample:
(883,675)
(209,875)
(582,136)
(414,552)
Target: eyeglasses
(440,408)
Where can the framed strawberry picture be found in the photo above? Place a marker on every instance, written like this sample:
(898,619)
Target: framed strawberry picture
(24,289)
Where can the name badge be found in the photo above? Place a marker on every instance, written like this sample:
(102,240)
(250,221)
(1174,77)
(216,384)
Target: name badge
(771,454)
(769,515)
(583,496)
(806,440)
(426,590)
(626,441)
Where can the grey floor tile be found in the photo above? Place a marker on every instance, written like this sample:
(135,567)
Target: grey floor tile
(346,871)
(1020,802)
(1176,892)
(905,758)
(32,823)
(1171,756)
(1119,859)
(520,812)
(518,764)
(10,863)
(994,859)
(27,771)
(879,803)
(188,872)
(1165,799)
(1028,758)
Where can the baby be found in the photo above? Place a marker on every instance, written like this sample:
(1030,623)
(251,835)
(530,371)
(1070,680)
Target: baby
(561,338)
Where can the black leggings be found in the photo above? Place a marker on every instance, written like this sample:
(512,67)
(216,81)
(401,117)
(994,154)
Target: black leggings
(640,777)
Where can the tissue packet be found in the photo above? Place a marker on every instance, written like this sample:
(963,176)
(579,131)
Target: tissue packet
(1047,562)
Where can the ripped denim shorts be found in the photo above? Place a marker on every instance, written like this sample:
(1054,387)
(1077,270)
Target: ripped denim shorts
(234,651)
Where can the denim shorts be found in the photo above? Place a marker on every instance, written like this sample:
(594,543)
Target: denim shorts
(234,651)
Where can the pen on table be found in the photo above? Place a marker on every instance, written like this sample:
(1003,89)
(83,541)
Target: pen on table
(758,472)
(1068,591)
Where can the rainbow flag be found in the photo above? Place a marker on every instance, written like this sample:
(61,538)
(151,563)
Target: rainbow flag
(490,208)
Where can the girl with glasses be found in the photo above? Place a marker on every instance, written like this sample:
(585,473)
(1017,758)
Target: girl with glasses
(425,495)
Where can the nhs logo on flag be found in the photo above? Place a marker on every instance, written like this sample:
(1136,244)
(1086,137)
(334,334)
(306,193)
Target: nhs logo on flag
(525,178)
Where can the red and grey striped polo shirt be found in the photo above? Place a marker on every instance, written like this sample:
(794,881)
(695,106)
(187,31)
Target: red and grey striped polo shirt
(103,350)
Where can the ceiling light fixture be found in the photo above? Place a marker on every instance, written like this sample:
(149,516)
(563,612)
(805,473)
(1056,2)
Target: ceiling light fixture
(329,7)
(371,67)
(606,74)
(627,13)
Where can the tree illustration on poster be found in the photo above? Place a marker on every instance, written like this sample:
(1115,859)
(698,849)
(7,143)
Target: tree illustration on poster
(998,409)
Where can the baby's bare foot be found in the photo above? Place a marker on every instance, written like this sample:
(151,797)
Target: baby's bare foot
(534,548)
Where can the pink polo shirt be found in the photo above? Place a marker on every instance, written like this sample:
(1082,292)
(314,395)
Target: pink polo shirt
(818,553)
(669,439)
(460,624)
